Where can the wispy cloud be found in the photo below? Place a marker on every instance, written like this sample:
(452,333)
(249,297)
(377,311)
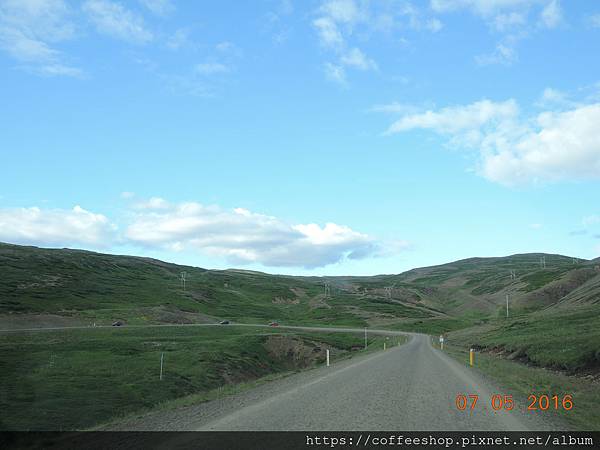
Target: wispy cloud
(30,31)
(179,39)
(336,73)
(159,7)
(503,54)
(115,20)
(511,18)
(552,14)
(210,68)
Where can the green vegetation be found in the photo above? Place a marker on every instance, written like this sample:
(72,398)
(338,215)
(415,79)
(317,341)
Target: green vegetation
(567,341)
(522,381)
(555,323)
(74,379)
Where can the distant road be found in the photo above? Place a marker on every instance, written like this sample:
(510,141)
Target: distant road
(124,327)
(410,387)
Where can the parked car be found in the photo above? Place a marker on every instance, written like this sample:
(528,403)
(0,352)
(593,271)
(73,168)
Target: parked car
(224,322)
(118,323)
(273,324)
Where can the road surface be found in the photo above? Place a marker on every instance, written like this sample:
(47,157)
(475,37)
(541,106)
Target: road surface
(408,387)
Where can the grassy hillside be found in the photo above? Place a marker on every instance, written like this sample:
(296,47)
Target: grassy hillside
(41,286)
(74,379)
(96,288)
(554,323)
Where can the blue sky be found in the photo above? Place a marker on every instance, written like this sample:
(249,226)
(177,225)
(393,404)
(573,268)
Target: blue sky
(315,137)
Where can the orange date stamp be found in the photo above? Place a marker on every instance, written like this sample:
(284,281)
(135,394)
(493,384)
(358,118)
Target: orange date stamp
(499,402)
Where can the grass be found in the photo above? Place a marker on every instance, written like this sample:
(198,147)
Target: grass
(569,340)
(74,379)
(522,380)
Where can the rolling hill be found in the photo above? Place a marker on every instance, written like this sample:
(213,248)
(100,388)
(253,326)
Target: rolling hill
(62,286)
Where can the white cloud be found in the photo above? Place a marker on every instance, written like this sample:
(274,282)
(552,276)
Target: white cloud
(179,39)
(336,73)
(113,19)
(329,34)
(554,98)
(159,7)
(127,194)
(510,17)
(507,21)
(60,227)
(60,69)
(555,145)
(503,54)
(225,46)
(434,25)
(485,8)
(395,108)
(242,236)
(30,30)
(211,68)
(458,119)
(338,23)
(152,203)
(342,11)
(551,15)
(357,59)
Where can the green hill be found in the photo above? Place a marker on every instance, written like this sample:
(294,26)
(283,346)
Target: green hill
(42,287)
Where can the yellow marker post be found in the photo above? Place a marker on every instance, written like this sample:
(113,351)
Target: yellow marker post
(471,357)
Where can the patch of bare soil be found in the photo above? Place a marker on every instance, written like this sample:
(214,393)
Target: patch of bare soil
(285,301)
(318,301)
(21,321)
(297,353)
(176,316)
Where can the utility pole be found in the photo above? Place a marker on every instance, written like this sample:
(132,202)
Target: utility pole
(183,275)
(506,305)
(327,289)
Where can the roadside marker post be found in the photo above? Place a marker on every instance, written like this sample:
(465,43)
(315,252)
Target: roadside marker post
(161,364)
(384,345)
(365,338)
(441,342)
(327,357)
(471,357)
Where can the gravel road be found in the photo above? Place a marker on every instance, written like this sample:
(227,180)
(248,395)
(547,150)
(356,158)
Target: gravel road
(409,387)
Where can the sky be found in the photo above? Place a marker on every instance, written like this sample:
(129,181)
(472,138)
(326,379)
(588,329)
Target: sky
(314,137)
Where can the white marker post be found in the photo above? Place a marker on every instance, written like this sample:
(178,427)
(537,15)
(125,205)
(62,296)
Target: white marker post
(441,342)
(327,357)
(384,345)
(161,364)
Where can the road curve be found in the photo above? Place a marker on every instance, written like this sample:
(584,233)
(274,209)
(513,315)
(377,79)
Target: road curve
(409,387)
